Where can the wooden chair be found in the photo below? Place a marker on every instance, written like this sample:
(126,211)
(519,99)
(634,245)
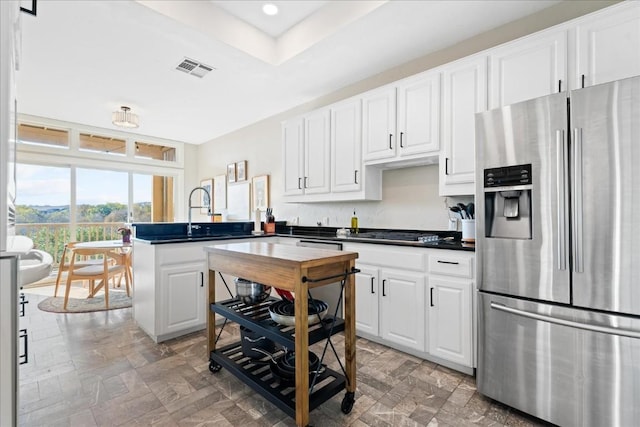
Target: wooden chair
(102,272)
(64,263)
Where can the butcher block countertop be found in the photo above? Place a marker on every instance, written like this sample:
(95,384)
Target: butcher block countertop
(279,265)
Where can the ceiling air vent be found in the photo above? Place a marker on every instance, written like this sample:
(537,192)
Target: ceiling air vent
(194,68)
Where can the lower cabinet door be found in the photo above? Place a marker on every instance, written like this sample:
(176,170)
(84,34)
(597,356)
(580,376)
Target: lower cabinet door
(182,297)
(450,330)
(367,300)
(402,308)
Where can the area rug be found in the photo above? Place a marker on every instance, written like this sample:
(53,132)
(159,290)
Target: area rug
(117,299)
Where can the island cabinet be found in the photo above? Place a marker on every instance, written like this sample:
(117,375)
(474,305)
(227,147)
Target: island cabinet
(295,269)
(170,291)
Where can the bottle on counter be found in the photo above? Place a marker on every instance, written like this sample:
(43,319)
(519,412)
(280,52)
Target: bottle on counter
(354,223)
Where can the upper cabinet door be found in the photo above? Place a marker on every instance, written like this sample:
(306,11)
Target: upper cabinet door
(418,129)
(346,146)
(528,68)
(608,45)
(379,123)
(316,152)
(464,95)
(293,156)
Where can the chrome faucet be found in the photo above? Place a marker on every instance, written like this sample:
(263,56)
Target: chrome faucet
(189,226)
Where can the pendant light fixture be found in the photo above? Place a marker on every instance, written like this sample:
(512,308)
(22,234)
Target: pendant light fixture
(124,118)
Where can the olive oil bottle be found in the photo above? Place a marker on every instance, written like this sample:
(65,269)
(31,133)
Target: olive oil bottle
(354,223)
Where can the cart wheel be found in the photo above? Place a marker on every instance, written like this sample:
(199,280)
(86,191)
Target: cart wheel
(347,402)
(214,367)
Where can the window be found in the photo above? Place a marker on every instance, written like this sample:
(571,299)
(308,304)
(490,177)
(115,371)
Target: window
(102,144)
(145,150)
(40,135)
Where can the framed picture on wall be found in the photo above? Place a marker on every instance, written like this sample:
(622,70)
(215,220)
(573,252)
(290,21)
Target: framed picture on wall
(241,171)
(260,192)
(231,172)
(206,198)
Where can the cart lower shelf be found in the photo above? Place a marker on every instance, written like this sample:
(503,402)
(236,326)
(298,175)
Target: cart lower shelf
(257,374)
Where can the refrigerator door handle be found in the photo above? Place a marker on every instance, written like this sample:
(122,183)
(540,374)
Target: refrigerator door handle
(569,323)
(577,201)
(561,192)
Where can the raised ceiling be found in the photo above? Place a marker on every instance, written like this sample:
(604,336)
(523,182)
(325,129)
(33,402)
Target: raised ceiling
(81,60)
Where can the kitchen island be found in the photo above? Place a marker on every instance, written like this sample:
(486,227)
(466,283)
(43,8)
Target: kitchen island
(293,269)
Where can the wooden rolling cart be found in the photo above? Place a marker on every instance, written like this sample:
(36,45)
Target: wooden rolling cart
(294,269)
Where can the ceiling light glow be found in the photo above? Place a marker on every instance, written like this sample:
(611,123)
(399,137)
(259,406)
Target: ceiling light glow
(270,9)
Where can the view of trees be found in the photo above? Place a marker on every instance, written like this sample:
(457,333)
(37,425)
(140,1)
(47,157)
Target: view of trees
(108,212)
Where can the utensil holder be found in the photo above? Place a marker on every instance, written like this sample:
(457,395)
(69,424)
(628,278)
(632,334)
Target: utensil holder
(468,230)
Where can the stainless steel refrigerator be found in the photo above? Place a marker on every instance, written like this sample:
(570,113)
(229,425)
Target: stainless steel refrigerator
(558,243)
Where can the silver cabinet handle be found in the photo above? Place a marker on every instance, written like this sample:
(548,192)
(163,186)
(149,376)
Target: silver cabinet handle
(448,262)
(401,134)
(299,181)
(561,193)
(563,322)
(577,201)
(390,145)
(355,176)
(201,279)
(372,279)
(384,281)
(431,297)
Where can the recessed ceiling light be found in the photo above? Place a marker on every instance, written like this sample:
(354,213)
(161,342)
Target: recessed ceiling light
(270,9)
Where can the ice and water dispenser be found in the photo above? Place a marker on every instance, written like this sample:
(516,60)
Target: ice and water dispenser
(507,201)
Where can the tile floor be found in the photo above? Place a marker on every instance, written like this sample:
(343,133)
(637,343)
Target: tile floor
(101,369)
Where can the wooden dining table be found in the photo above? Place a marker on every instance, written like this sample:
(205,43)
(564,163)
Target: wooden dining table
(118,250)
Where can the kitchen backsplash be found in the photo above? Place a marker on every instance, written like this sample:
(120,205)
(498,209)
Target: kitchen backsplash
(410,200)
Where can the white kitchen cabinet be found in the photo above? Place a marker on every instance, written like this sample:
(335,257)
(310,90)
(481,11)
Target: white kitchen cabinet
(464,95)
(182,294)
(379,123)
(306,148)
(608,45)
(170,288)
(390,294)
(367,300)
(293,156)
(450,335)
(346,146)
(450,324)
(529,67)
(323,156)
(401,122)
(402,308)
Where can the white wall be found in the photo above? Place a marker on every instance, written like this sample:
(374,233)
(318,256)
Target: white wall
(410,196)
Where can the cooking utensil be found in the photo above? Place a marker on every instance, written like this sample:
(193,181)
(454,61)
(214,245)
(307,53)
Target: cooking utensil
(283,366)
(252,342)
(471,210)
(283,312)
(456,209)
(251,292)
(285,295)
(463,210)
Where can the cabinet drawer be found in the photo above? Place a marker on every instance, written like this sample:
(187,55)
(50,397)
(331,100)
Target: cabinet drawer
(181,252)
(389,256)
(449,264)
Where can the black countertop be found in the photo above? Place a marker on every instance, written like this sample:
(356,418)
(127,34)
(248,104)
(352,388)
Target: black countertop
(161,233)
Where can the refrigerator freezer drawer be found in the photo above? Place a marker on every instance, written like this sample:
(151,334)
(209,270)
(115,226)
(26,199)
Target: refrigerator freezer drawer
(568,366)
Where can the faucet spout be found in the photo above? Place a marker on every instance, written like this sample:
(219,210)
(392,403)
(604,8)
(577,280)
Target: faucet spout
(208,206)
